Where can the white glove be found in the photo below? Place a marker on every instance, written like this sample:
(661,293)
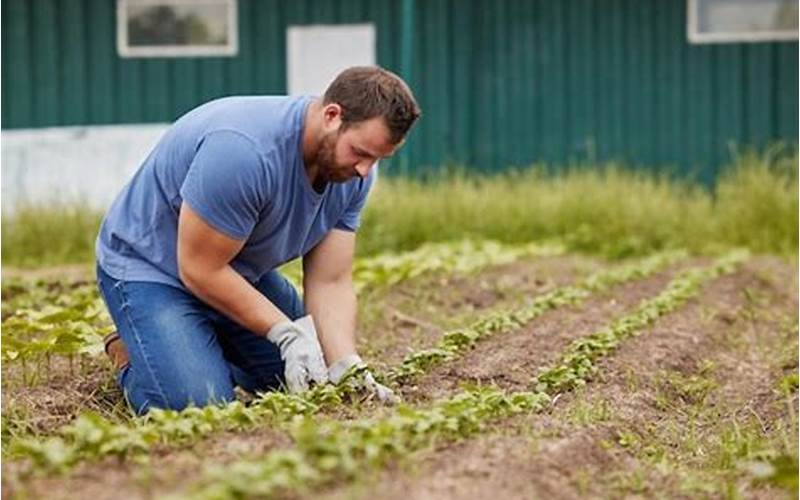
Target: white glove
(301,353)
(338,370)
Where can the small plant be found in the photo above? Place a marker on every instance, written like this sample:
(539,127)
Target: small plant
(52,318)
(333,449)
(578,364)
(456,342)
(325,450)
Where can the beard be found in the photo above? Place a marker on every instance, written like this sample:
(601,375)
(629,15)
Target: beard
(329,169)
(326,156)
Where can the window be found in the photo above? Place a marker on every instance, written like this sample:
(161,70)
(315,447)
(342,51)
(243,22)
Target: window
(176,28)
(719,21)
(315,54)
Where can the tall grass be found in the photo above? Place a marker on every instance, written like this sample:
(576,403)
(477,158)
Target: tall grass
(604,209)
(757,205)
(44,235)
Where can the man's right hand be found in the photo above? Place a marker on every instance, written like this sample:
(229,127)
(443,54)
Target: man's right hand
(301,353)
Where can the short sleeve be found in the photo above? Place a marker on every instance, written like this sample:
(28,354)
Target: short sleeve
(227,183)
(351,218)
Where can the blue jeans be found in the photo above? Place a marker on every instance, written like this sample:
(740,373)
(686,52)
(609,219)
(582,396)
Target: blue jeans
(182,352)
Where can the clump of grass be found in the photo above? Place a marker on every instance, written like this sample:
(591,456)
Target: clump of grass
(599,209)
(756,204)
(50,234)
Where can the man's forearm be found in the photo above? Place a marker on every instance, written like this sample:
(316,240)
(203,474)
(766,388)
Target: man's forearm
(229,293)
(333,306)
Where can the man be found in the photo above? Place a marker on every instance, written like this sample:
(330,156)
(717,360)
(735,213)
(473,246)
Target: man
(188,250)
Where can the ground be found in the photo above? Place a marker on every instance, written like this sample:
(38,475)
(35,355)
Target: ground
(687,408)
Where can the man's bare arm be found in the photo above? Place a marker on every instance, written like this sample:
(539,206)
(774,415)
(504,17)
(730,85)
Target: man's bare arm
(329,294)
(204,256)
(331,299)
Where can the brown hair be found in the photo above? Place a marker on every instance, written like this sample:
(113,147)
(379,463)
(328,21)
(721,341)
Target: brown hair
(365,92)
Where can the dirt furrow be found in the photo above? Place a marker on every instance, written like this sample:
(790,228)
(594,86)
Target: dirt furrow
(170,468)
(672,414)
(412,315)
(526,349)
(510,360)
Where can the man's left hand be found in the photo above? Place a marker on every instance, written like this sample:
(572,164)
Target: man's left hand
(363,378)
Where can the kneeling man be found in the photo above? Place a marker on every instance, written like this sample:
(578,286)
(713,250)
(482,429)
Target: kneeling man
(186,255)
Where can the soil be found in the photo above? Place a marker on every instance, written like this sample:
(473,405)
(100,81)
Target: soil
(69,272)
(63,392)
(734,333)
(552,456)
(418,313)
(60,395)
(64,387)
(511,360)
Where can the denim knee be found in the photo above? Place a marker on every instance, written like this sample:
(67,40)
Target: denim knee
(175,359)
(178,395)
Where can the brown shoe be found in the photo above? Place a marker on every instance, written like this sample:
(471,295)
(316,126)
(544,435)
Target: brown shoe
(115,348)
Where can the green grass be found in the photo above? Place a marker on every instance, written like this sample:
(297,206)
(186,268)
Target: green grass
(46,235)
(605,210)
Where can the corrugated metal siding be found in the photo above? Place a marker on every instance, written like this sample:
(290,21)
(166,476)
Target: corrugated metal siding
(504,82)
(575,80)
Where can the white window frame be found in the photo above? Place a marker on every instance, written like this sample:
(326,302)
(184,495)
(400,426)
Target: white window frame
(125,50)
(695,36)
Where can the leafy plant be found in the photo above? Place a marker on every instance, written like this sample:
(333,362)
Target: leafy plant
(456,342)
(325,450)
(55,318)
(578,363)
(91,437)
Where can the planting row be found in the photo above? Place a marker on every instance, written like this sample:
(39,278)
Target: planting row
(456,342)
(460,257)
(92,436)
(50,320)
(328,450)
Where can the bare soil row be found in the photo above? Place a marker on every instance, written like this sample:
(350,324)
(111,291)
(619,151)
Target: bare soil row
(655,422)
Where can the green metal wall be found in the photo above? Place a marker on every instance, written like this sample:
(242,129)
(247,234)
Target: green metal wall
(501,82)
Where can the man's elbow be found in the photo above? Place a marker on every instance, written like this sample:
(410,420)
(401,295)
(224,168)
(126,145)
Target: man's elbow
(190,275)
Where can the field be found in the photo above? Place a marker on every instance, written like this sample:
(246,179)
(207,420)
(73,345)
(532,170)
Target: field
(643,345)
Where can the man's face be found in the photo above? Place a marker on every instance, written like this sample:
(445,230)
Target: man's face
(352,152)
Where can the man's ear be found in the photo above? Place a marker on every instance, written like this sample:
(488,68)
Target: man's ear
(332,114)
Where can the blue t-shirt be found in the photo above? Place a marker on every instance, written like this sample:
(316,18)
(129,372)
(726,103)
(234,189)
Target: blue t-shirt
(238,163)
